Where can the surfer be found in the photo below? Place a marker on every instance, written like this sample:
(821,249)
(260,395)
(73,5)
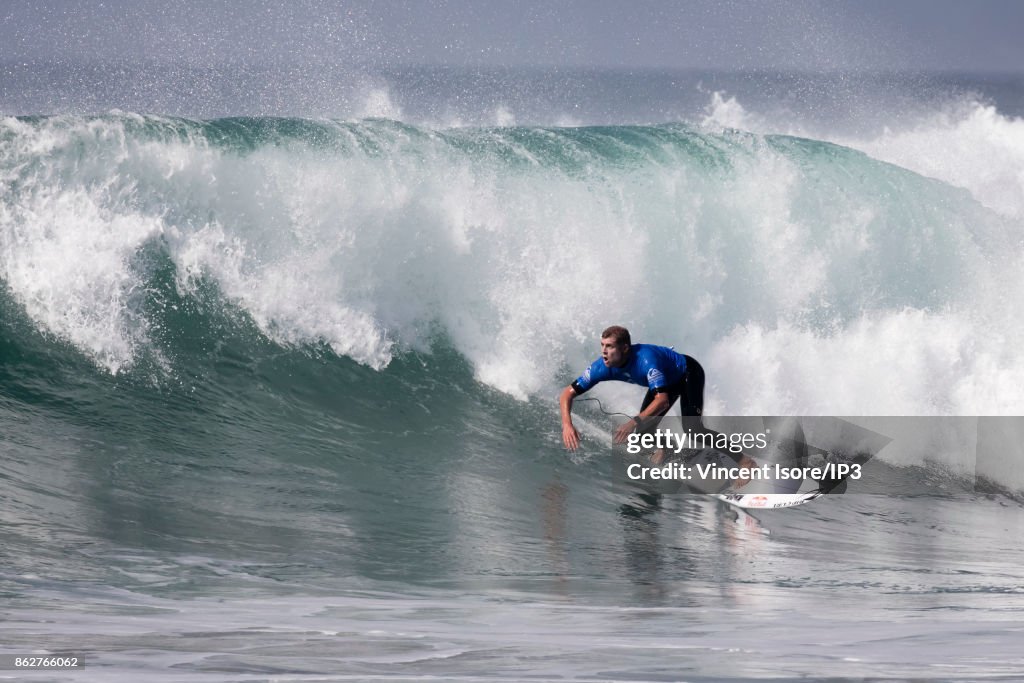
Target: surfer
(668,375)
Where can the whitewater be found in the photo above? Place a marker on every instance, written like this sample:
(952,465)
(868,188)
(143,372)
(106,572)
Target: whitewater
(278,390)
(779,259)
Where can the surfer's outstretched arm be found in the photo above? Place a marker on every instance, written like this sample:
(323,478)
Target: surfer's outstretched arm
(656,408)
(570,437)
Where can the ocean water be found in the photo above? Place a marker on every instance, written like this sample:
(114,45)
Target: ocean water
(279,368)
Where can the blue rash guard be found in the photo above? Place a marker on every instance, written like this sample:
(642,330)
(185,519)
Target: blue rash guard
(656,367)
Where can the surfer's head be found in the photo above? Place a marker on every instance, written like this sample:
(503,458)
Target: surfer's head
(615,346)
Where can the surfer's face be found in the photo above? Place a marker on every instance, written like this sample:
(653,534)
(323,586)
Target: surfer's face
(613,355)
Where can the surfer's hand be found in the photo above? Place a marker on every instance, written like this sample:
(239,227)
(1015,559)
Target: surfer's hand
(570,437)
(623,432)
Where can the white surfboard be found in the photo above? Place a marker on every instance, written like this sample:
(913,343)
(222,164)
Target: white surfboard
(767,501)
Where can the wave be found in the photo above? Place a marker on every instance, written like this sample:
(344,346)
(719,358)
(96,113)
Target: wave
(965,142)
(811,277)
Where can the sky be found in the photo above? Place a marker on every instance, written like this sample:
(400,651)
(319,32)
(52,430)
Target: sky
(802,35)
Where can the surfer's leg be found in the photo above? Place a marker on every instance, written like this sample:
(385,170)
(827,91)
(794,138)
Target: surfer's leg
(693,407)
(650,425)
(693,382)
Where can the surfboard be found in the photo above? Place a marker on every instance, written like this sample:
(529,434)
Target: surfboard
(767,501)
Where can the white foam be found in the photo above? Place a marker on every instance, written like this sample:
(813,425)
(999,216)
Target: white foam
(67,241)
(966,143)
(504,117)
(726,112)
(377,102)
(969,145)
(906,362)
(806,279)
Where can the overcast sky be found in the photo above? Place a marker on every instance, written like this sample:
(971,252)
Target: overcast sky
(932,35)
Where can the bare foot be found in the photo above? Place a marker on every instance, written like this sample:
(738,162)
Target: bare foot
(747,463)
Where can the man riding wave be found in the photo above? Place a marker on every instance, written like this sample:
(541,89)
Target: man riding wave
(668,375)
